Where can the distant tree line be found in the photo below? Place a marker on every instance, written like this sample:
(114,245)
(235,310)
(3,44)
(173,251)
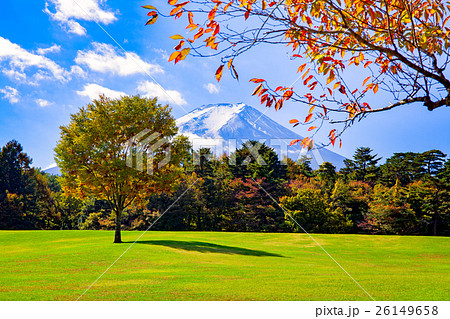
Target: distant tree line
(408,194)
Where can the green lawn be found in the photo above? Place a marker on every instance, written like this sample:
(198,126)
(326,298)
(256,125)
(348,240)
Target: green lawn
(60,265)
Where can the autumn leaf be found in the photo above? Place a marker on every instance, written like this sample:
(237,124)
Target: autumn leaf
(256,80)
(308,118)
(365,81)
(230,62)
(152,19)
(174,55)
(177,37)
(293,142)
(288,94)
(293,121)
(219,73)
(258,89)
(174,11)
(149,7)
(312,128)
(375,88)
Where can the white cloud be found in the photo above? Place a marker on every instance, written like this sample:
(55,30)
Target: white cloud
(151,89)
(93,91)
(104,58)
(17,60)
(212,88)
(163,53)
(42,102)
(67,11)
(53,49)
(10,94)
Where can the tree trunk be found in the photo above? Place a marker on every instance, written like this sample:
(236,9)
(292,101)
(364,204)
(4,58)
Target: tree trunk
(118,235)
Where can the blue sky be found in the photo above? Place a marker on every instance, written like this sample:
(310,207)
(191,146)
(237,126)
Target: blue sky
(56,57)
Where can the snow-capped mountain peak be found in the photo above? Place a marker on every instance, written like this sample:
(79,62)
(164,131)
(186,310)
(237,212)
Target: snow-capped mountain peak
(225,126)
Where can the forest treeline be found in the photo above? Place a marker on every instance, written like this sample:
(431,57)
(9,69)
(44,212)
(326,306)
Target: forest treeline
(408,194)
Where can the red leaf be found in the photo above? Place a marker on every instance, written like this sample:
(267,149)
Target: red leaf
(307,79)
(219,73)
(212,14)
(256,80)
(293,142)
(308,118)
(178,47)
(287,95)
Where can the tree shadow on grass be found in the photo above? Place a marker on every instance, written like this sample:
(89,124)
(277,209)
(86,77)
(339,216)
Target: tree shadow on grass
(203,247)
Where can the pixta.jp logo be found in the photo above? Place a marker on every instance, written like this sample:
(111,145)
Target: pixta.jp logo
(142,152)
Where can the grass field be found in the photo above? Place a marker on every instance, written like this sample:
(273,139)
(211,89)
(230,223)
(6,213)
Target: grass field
(60,265)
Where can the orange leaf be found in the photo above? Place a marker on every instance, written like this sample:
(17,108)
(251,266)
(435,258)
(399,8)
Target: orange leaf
(258,89)
(190,16)
(308,118)
(312,128)
(293,121)
(255,80)
(174,11)
(177,37)
(330,77)
(235,73)
(375,88)
(301,68)
(365,81)
(219,73)
(307,79)
(180,5)
(198,34)
(293,142)
(227,6)
(184,53)
(230,63)
(172,2)
(174,55)
(212,14)
(152,19)
(287,95)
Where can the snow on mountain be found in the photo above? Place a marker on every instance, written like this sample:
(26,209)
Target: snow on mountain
(225,126)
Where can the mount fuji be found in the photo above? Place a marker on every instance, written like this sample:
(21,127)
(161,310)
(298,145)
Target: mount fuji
(223,127)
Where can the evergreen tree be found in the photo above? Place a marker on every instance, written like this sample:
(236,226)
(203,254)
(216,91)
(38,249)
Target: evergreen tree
(363,167)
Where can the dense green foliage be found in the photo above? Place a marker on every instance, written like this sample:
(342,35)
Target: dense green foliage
(98,145)
(60,265)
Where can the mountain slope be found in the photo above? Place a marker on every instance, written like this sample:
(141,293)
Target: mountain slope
(221,126)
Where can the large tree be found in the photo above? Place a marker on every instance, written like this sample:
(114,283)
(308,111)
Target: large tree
(99,147)
(399,46)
